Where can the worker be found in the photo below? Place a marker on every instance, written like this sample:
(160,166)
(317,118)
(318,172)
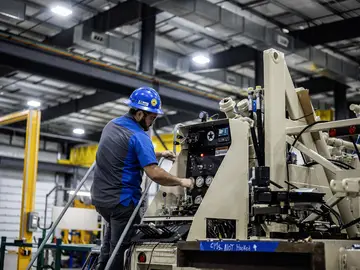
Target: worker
(125,150)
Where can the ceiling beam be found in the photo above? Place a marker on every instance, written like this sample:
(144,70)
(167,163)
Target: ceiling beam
(124,13)
(77,105)
(231,57)
(6,70)
(321,85)
(170,120)
(63,66)
(165,121)
(329,32)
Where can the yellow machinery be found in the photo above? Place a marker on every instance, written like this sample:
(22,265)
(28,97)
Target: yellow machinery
(81,236)
(85,155)
(32,139)
(325,115)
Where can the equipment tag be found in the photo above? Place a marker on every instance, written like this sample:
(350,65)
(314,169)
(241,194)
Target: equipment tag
(239,246)
(221,151)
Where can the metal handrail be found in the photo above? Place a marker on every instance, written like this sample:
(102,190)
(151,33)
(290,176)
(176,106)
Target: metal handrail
(56,222)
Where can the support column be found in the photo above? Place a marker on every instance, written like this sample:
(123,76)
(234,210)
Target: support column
(147,43)
(259,68)
(341,109)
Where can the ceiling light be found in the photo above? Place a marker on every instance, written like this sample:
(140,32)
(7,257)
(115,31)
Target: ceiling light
(286,31)
(201,59)
(34,103)
(302,27)
(78,131)
(61,10)
(80,193)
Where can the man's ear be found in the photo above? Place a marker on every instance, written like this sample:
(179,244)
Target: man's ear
(138,115)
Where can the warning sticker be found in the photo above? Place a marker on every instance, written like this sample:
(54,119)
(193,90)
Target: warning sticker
(221,151)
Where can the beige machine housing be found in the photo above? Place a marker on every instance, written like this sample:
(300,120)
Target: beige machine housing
(226,198)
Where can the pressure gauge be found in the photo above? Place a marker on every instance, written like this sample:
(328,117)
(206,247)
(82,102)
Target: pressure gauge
(208,180)
(198,199)
(199,181)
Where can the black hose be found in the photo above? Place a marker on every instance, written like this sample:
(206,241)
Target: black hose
(335,162)
(304,129)
(260,130)
(336,214)
(351,223)
(255,143)
(275,184)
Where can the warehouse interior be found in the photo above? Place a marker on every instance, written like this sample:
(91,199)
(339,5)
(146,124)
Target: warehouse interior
(66,68)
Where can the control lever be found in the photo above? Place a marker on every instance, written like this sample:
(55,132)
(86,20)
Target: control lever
(165,210)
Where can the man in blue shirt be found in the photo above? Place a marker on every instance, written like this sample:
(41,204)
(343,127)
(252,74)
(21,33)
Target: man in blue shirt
(124,152)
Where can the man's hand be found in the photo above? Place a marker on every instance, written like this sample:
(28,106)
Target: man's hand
(168,154)
(187,183)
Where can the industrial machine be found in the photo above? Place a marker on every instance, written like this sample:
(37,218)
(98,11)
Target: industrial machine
(274,188)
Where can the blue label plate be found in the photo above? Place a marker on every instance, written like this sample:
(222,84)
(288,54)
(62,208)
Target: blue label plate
(239,246)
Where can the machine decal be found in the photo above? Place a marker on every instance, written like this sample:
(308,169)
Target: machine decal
(239,246)
(221,151)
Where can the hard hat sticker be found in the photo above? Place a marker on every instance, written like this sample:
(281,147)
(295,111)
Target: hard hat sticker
(141,102)
(153,102)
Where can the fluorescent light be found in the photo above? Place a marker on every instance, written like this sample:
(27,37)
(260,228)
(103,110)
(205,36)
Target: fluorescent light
(80,193)
(79,131)
(11,16)
(61,10)
(286,31)
(34,103)
(201,59)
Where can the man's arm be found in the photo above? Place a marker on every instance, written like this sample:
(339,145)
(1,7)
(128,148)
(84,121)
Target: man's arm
(164,178)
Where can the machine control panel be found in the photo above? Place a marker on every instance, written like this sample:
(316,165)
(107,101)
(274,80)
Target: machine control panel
(208,145)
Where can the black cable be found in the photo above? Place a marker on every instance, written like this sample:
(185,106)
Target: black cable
(261,139)
(151,254)
(304,129)
(336,214)
(351,223)
(335,162)
(340,162)
(275,184)
(301,117)
(355,146)
(287,182)
(255,143)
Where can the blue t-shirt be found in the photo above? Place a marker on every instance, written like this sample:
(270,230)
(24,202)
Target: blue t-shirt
(124,150)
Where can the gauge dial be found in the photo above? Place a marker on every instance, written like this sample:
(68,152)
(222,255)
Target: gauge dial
(199,181)
(208,180)
(198,199)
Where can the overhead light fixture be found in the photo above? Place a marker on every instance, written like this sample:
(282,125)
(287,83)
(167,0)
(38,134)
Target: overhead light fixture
(80,193)
(302,27)
(201,59)
(285,30)
(78,131)
(34,103)
(61,10)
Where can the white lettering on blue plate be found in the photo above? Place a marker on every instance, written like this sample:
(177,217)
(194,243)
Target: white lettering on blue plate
(239,246)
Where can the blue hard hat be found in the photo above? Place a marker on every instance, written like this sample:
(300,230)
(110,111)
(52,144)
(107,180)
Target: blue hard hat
(146,99)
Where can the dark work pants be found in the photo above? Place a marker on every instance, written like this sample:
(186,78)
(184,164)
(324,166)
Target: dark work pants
(116,219)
